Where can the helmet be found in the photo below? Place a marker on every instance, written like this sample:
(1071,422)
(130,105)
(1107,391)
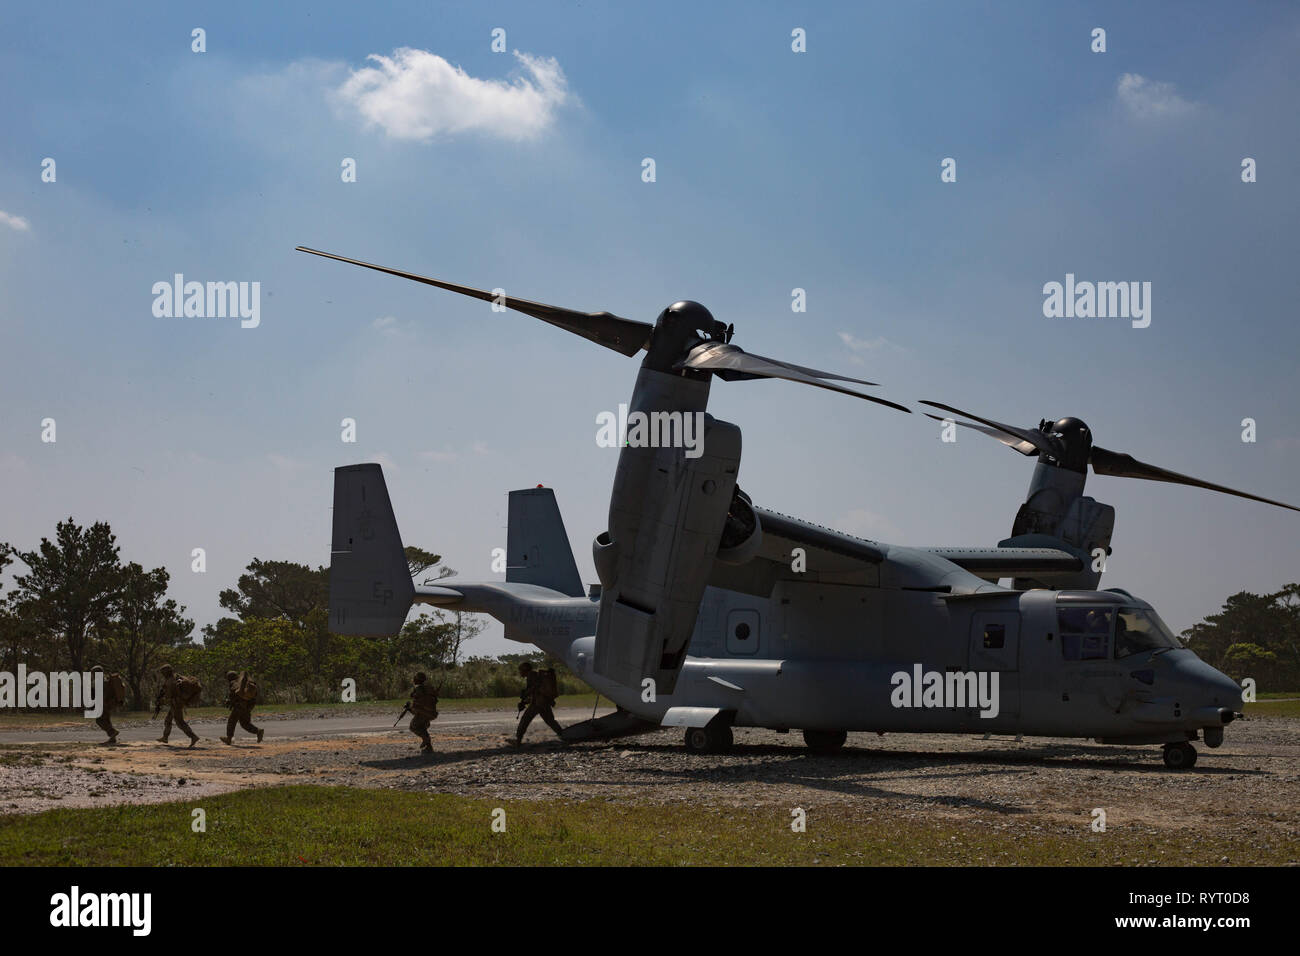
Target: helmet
(525,667)
(166,670)
(420,678)
(231,675)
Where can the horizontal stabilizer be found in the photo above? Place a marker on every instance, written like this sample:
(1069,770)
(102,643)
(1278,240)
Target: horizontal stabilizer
(437,595)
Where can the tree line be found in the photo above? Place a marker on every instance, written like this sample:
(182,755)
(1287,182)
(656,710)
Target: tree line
(74,603)
(1253,635)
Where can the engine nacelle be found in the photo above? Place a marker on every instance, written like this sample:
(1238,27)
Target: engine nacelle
(667,515)
(742,535)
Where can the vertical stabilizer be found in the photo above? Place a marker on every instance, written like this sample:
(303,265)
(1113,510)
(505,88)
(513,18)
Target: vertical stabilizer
(370,582)
(537,546)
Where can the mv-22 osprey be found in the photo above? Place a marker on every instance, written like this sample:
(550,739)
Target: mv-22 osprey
(713,613)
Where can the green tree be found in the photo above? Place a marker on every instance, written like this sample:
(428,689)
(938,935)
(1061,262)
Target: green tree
(70,585)
(278,589)
(418,561)
(1250,660)
(145,622)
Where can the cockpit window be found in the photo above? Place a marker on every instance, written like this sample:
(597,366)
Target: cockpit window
(1138,630)
(1085,632)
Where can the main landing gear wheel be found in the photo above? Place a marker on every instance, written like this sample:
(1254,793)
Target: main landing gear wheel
(713,739)
(824,741)
(1180,756)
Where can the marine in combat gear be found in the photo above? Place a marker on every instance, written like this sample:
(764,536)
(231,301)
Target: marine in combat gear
(114,698)
(536,699)
(240,700)
(424,709)
(176,693)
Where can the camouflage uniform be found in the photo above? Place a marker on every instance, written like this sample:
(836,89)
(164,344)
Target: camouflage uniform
(241,711)
(169,696)
(110,703)
(424,709)
(534,701)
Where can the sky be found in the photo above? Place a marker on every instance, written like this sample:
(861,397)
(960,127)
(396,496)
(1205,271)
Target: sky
(523,168)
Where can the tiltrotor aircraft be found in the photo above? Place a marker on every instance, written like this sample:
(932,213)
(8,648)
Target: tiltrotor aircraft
(714,613)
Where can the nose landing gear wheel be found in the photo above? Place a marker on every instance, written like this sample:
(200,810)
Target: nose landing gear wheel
(824,741)
(713,739)
(1180,756)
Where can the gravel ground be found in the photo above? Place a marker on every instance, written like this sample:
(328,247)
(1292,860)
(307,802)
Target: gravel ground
(1251,784)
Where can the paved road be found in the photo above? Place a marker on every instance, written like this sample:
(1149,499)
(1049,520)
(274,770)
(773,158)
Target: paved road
(477,722)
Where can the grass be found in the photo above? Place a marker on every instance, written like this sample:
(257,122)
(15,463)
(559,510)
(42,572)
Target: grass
(325,826)
(1273,708)
(16,721)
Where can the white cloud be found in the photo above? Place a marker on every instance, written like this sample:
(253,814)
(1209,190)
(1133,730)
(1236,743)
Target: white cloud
(1147,99)
(860,347)
(415,94)
(447,453)
(14,222)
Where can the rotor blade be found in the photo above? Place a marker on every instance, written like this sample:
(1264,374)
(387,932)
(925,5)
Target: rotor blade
(1120,465)
(628,336)
(1035,438)
(724,358)
(1021,446)
(812,371)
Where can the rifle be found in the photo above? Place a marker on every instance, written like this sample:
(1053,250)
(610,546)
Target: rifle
(157,706)
(406,709)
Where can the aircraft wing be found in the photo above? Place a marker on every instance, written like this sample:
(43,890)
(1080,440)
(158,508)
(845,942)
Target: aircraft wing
(782,534)
(835,555)
(994,563)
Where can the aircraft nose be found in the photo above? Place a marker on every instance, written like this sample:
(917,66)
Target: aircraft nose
(1223,690)
(1213,687)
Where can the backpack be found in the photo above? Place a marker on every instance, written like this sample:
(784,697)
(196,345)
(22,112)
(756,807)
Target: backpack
(189,689)
(548,685)
(243,687)
(116,690)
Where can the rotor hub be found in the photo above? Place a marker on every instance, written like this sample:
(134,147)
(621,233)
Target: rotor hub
(679,328)
(1073,439)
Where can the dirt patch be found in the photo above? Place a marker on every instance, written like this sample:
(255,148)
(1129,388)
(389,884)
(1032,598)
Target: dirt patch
(1250,785)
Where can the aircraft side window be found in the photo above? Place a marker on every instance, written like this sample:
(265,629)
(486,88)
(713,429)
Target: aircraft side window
(1085,632)
(995,636)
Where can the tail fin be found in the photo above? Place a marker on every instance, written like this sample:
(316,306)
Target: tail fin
(370,582)
(537,547)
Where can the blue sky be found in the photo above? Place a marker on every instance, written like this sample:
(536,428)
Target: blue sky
(775,170)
